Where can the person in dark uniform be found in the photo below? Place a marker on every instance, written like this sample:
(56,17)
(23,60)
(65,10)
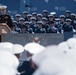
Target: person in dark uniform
(44,23)
(40,29)
(5,18)
(27,24)
(33,24)
(25,13)
(58,25)
(24,29)
(17,17)
(28,67)
(52,28)
(45,14)
(68,27)
(51,18)
(29,17)
(68,14)
(39,17)
(54,14)
(62,19)
(21,22)
(73,18)
(34,14)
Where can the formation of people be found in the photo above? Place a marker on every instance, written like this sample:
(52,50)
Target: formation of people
(46,23)
(51,60)
(38,23)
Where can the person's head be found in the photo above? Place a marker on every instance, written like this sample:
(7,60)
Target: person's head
(73,16)
(33,20)
(53,13)
(68,21)
(44,20)
(57,21)
(39,17)
(62,18)
(45,13)
(17,16)
(3,9)
(21,20)
(52,24)
(51,18)
(27,23)
(33,48)
(34,14)
(25,13)
(68,13)
(39,24)
(24,28)
(15,23)
(29,17)
(17,50)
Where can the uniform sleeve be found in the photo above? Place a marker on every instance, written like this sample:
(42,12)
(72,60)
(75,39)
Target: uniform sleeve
(24,66)
(10,23)
(0,19)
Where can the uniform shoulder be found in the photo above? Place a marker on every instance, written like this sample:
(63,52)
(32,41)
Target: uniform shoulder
(26,62)
(7,15)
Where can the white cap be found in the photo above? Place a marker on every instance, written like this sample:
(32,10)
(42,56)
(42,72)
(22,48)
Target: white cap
(44,18)
(3,7)
(63,46)
(27,22)
(62,16)
(34,13)
(18,15)
(68,20)
(67,11)
(45,11)
(55,62)
(50,15)
(71,42)
(33,48)
(38,58)
(72,14)
(25,12)
(17,49)
(29,15)
(6,46)
(39,15)
(7,71)
(21,19)
(39,22)
(9,60)
(57,66)
(53,13)
(57,19)
(33,18)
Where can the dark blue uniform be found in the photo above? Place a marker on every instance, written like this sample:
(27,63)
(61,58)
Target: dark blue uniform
(26,68)
(40,30)
(6,19)
(52,30)
(46,26)
(68,28)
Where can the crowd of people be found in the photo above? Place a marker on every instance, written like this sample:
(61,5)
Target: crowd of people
(39,23)
(51,60)
(46,23)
